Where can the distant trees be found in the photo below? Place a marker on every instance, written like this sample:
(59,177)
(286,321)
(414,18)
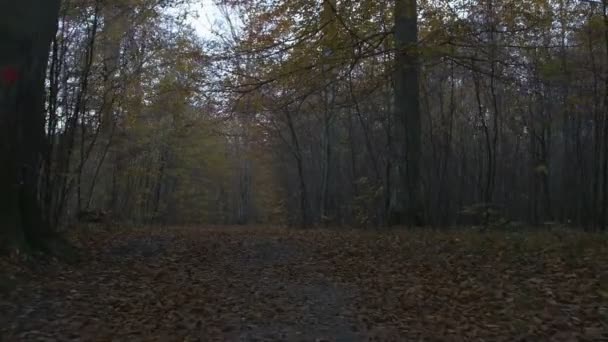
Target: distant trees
(134,127)
(499,129)
(333,112)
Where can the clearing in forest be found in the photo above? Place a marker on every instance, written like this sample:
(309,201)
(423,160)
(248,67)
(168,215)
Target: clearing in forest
(265,284)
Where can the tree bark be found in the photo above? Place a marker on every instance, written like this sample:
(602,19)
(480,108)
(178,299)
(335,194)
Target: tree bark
(604,208)
(115,25)
(407,107)
(304,206)
(26,30)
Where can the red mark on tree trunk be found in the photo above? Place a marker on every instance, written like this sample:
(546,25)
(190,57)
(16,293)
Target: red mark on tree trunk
(9,75)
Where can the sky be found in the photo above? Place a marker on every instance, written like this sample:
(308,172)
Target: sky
(205,14)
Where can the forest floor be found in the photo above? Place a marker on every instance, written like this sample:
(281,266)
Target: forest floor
(267,284)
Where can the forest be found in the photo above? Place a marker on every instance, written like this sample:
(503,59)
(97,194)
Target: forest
(394,169)
(323,113)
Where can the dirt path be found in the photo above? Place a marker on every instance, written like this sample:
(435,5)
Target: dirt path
(221,285)
(250,284)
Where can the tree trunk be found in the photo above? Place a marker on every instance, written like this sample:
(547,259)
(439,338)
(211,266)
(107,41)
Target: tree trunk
(407,107)
(115,25)
(26,30)
(304,211)
(604,208)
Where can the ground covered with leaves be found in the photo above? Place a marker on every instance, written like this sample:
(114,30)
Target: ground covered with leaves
(269,284)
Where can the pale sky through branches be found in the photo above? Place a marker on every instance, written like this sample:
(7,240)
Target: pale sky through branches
(205,15)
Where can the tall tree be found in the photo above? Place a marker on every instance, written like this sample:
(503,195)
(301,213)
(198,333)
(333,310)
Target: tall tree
(26,30)
(407,111)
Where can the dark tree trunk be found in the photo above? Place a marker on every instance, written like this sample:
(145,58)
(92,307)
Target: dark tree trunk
(26,30)
(604,208)
(407,107)
(305,219)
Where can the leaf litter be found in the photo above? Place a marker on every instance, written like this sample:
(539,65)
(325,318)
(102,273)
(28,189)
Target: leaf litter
(273,284)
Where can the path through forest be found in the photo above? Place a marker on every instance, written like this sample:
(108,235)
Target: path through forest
(252,284)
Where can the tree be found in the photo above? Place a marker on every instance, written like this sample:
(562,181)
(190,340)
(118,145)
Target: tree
(369,114)
(26,30)
(407,111)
